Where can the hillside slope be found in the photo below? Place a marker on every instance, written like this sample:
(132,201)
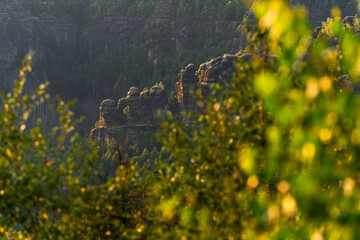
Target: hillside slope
(92,50)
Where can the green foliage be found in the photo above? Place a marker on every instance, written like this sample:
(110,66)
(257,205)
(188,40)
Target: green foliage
(52,191)
(160,84)
(274,155)
(127,112)
(36,185)
(100,122)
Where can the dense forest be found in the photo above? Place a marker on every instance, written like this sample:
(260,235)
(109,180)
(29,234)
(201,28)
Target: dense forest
(98,49)
(270,154)
(91,50)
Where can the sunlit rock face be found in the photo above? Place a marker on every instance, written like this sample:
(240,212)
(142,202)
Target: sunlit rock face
(138,109)
(138,112)
(133,116)
(141,106)
(217,70)
(110,115)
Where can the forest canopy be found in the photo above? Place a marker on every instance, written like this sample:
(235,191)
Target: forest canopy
(272,155)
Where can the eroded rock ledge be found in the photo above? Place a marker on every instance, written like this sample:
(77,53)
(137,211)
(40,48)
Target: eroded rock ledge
(136,114)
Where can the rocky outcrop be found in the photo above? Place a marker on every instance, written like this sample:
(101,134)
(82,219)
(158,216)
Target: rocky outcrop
(134,115)
(133,132)
(110,114)
(66,45)
(51,35)
(188,82)
(217,70)
(140,107)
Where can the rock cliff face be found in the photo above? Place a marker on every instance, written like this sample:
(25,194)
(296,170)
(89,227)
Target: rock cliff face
(21,33)
(113,30)
(216,70)
(136,114)
(140,106)
(60,43)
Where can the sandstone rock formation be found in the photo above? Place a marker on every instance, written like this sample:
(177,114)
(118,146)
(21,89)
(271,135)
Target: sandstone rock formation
(217,70)
(59,39)
(134,115)
(141,107)
(110,114)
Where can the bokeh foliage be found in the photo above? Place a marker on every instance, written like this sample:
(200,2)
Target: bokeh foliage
(47,188)
(274,154)
(277,155)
